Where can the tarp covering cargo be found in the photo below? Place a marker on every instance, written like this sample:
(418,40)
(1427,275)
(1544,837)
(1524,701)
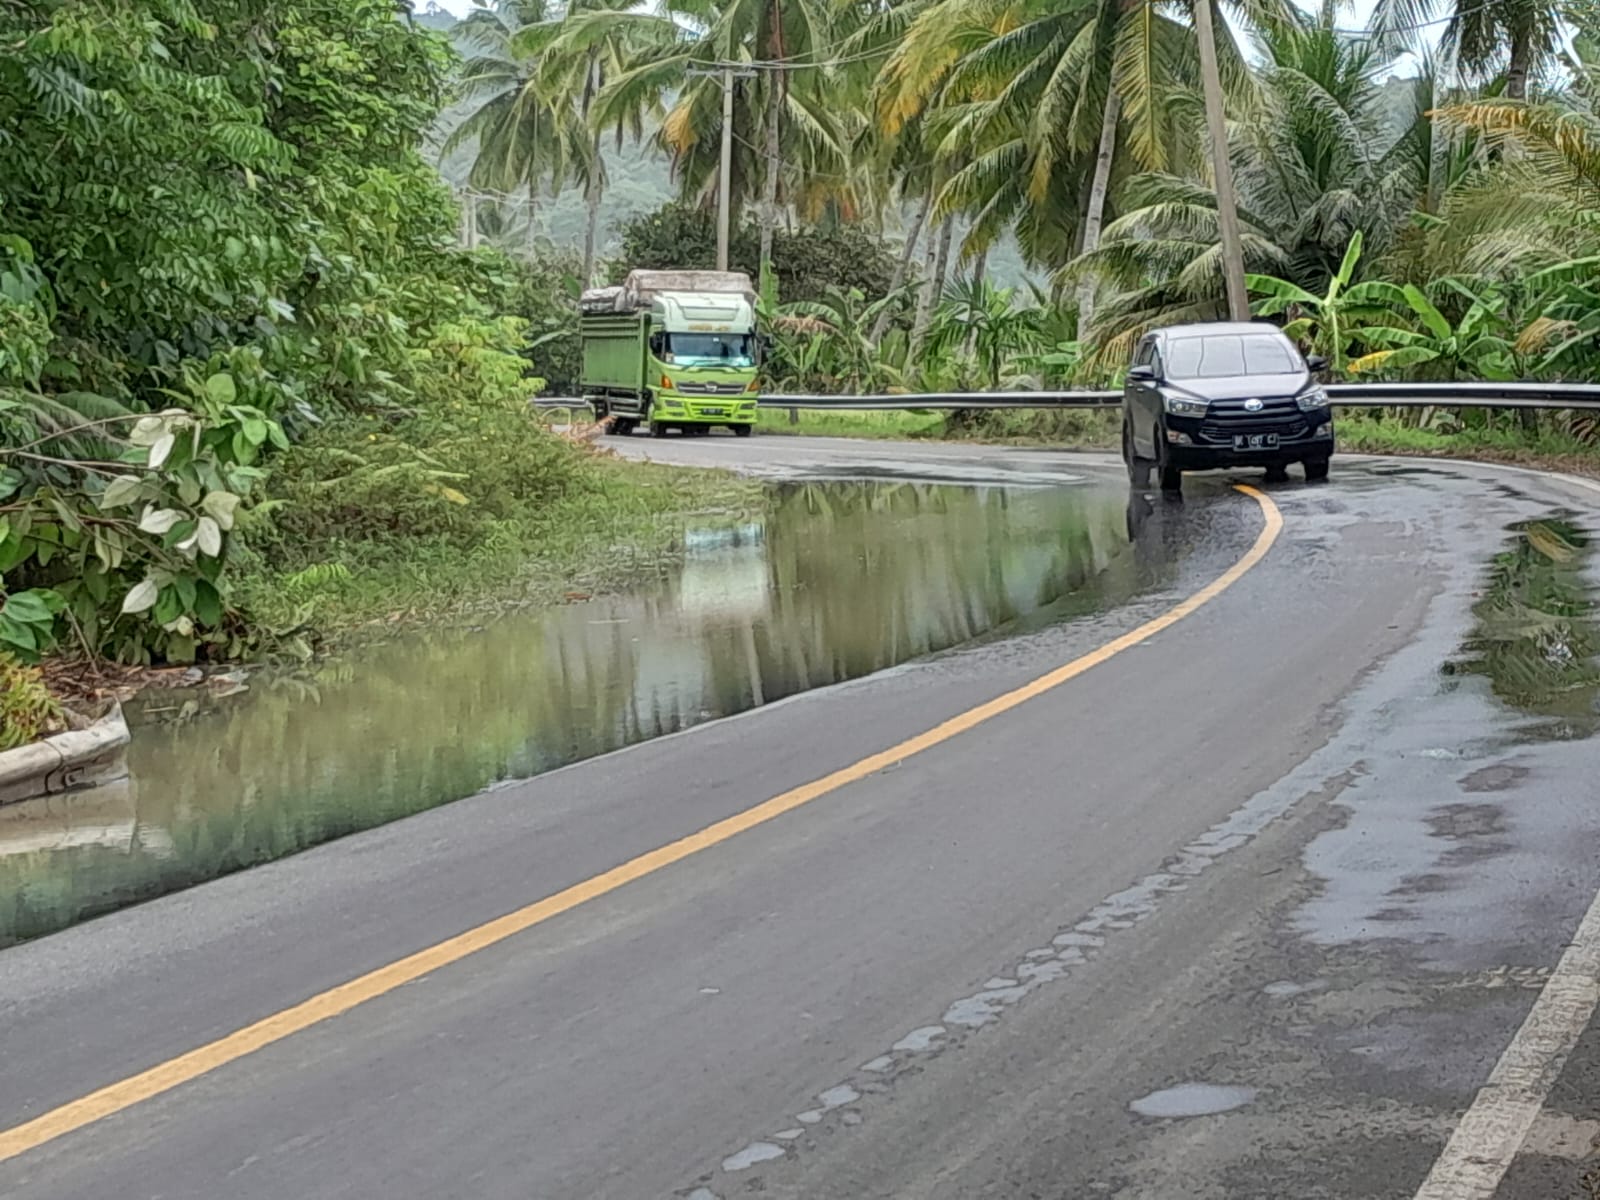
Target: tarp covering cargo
(599,300)
(641,287)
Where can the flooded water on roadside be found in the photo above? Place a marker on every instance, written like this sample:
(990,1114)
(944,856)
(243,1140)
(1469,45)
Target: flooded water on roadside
(840,579)
(1536,639)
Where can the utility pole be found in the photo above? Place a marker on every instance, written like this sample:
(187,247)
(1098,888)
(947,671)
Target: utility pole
(729,73)
(1221,168)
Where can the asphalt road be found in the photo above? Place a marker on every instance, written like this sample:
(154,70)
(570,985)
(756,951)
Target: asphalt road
(1249,908)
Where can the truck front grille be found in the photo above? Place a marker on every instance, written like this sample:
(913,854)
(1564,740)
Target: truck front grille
(710,389)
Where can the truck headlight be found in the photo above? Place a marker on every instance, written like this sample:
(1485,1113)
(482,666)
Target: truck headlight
(1312,400)
(1181,406)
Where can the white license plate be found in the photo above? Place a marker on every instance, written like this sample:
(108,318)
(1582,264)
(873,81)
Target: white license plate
(1255,441)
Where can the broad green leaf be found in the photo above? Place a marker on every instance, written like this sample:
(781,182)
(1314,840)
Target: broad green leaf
(146,430)
(1281,289)
(124,489)
(158,520)
(221,507)
(29,607)
(169,606)
(1427,313)
(11,480)
(1375,292)
(1347,268)
(160,449)
(255,430)
(1390,338)
(209,537)
(221,388)
(18,634)
(207,603)
(141,597)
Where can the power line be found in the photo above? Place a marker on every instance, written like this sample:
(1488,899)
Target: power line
(793,64)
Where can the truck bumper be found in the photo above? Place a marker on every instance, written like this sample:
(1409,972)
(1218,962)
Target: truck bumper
(671,409)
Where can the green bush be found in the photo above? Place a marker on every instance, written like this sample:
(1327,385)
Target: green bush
(470,453)
(208,260)
(27,709)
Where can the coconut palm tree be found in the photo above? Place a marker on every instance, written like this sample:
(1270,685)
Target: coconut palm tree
(791,139)
(1515,40)
(1047,98)
(523,137)
(577,52)
(1313,167)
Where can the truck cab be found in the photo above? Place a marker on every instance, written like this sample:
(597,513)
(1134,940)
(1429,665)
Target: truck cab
(672,350)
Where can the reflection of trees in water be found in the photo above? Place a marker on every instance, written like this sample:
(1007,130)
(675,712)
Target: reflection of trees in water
(1535,637)
(928,567)
(858,577)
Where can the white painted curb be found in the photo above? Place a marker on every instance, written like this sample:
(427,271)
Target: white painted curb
(77,758)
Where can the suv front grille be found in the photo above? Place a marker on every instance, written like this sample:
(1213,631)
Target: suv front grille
(1226,418)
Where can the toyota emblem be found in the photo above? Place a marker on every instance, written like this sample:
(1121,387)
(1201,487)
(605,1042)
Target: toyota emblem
(1253,405)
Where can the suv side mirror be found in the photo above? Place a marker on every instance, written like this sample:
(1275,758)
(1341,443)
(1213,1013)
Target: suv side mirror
(1315,363)
(1143,373)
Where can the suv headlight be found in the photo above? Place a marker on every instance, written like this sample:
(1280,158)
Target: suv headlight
(1182,406)
(1312,400)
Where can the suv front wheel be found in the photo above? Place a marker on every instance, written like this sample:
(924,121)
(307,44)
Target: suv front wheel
(1171,476)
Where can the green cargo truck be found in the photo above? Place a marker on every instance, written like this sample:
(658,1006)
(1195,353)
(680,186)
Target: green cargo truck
(671,350)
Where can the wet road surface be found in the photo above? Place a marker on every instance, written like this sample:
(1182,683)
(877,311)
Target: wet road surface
(1251,908)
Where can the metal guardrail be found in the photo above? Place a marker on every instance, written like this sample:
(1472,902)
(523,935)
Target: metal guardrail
(948,400)
(1343,395)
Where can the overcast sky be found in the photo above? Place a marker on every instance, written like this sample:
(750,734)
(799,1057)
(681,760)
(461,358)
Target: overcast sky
(1355,12)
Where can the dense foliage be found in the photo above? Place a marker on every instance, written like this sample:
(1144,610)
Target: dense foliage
(231,306)
(806,263)
(1462,189)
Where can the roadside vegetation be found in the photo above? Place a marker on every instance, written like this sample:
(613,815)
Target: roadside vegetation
(1419,196)
(264,374)
(251,389)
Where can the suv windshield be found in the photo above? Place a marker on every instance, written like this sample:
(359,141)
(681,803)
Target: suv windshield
(1220,355)
(723,349)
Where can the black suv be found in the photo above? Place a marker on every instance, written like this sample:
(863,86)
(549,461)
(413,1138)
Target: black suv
(1223,395)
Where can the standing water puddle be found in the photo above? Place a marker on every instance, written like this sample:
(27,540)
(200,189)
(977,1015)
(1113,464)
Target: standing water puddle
(838,581)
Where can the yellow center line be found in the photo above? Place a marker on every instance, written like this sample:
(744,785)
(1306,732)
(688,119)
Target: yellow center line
(164,1077)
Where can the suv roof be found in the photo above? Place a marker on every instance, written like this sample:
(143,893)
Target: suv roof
(1217,329)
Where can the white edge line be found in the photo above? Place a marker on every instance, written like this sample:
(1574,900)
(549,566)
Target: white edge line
(1492,1130)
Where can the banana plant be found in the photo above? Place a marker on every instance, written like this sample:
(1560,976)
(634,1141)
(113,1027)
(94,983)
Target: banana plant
(1567,333)
(1330,322)
(1473,348)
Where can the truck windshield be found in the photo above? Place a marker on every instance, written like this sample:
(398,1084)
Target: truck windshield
(1219,355)
(721,349)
